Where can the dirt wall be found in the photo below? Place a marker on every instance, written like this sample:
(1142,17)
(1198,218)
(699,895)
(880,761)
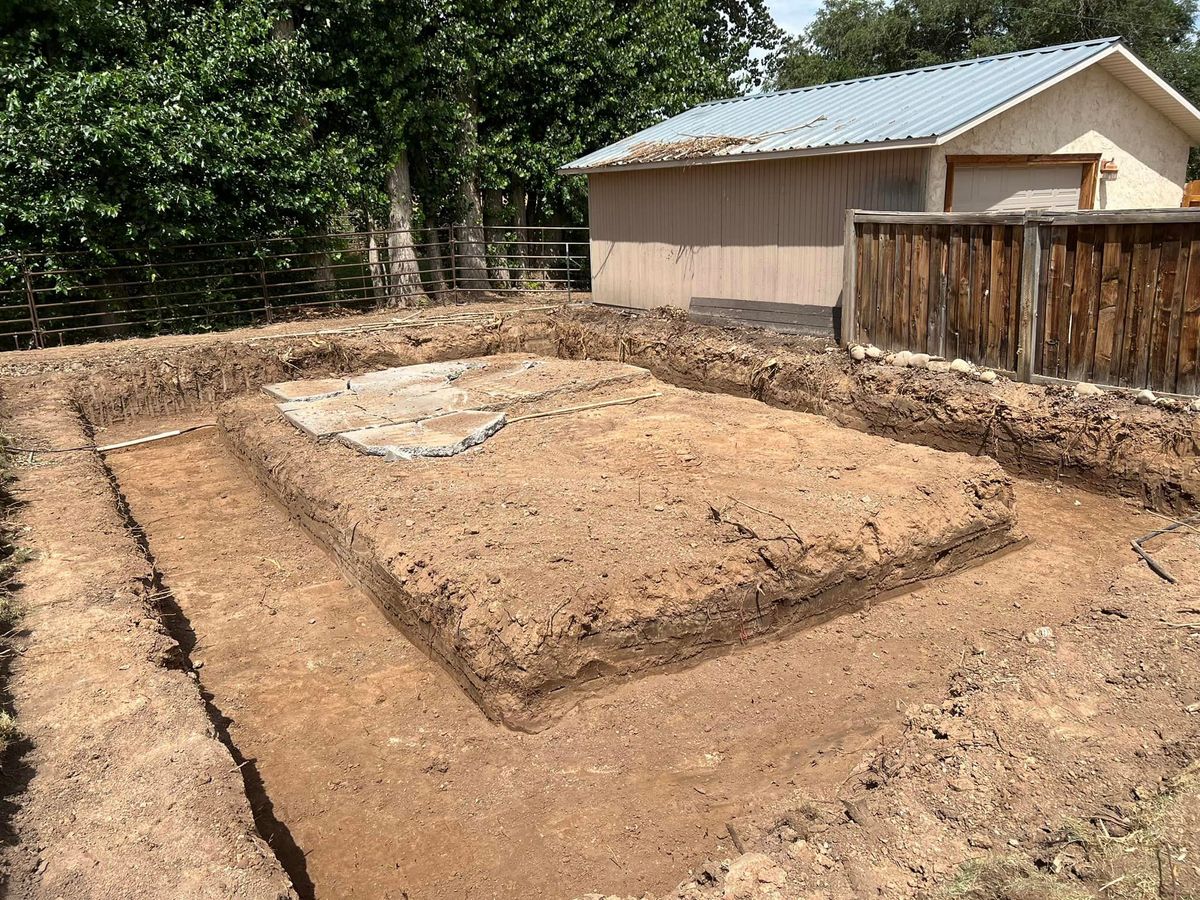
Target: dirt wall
(151,382)
(1104,443)
(128,790)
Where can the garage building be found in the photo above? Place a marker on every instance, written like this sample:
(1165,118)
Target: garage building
(735,208)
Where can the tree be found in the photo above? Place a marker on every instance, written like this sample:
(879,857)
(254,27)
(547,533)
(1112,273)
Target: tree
(149,122)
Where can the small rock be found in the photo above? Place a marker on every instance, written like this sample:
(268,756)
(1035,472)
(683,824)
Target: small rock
(1194,406)
(858,353)
(938,365)
(1145,397)
(754,876)
(1041,635)
(873,352)
(987,376)
(902,359)
(961,365)
(1167,403)
(919,360)
(1087,389)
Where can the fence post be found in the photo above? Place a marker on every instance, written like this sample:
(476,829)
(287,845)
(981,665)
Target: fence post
(34,322)
(567,259)
(262,280)
(1031,269)
(453,262)
(849,281)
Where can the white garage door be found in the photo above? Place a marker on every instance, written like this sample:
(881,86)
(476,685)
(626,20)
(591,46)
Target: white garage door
(1015,188)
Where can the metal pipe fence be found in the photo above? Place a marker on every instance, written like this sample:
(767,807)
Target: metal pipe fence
(67,298)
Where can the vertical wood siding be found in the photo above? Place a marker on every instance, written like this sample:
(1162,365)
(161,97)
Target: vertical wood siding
(943,289)
(1117,300)
(766,230)
(1122,305)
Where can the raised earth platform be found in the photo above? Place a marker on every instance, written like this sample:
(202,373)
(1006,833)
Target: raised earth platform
(556,552)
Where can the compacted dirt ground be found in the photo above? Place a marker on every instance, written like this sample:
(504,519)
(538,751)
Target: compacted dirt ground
(390,780)
(1024,728)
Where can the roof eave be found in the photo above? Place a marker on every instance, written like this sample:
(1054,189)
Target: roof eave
(750,156)
(1187,118)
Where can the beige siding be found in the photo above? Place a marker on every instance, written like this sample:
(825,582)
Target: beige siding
(766,230)
(1091,112)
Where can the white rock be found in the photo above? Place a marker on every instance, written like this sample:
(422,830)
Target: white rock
(858,353)
(987,376)
(961,365)
(754,876)
(902,359)
(1194,406)
(1087,389)
(873,352)
(919,360)
(938,365)
(1145,397)
(1167,402)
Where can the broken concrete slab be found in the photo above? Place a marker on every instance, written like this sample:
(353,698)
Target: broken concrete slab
(350,412)
(569,551)
(446,435)
(407,394)
(307,389)
(433,375)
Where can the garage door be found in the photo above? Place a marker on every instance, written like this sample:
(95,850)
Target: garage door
(1015,188)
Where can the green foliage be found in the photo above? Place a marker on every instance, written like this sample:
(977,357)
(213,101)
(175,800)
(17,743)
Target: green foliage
(505,92)
(147,122)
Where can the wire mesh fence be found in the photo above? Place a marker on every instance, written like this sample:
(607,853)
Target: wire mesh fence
(69,298)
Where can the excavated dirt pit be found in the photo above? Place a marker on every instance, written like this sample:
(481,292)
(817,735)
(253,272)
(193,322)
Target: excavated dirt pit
(669,600)
(615,525)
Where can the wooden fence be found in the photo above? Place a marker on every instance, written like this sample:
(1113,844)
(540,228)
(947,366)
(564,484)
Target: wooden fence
(1107,297)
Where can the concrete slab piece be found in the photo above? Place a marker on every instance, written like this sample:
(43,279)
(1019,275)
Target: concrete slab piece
(324,408)
(404,378)
(440,436)
(571,551)
(349,412)
(308,389)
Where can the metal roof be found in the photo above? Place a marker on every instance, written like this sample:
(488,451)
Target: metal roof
(912,108)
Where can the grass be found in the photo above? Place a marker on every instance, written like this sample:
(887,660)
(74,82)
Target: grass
(1155,860)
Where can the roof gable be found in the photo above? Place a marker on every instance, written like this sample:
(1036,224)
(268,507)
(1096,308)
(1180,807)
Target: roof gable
(918,107)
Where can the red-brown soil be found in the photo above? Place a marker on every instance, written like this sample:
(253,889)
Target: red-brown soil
(981,756)
(390,779)
(126,790)
(571,550)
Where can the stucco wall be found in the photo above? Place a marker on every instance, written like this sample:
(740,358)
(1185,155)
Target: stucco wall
(768,230)
(1091,112)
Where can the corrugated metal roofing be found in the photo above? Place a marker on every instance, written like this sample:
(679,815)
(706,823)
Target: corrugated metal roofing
(903,107)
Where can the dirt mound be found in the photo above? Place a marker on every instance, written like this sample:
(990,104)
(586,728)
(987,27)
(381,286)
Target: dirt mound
(1106,443)
(568,550)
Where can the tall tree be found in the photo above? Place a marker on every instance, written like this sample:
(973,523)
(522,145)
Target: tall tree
(147,122)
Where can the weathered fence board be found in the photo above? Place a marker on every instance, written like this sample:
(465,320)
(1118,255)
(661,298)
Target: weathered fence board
(1120,310)
(1117,294)
(940,289)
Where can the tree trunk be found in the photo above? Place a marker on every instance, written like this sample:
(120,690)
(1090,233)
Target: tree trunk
(471,246)
(494,219)
(375,262)
(402,257)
